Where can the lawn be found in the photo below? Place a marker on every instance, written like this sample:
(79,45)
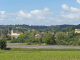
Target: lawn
(34,54)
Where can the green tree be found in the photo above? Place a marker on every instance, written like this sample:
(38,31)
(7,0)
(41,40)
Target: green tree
(21,38)
(49,39)
(2,44)
(5,32)
(59,37)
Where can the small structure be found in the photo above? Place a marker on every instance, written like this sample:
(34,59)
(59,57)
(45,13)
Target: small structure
(9,34)
(37,34)
(77,30)
(43,33)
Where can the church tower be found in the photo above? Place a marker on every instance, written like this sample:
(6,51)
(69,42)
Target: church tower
(12,32)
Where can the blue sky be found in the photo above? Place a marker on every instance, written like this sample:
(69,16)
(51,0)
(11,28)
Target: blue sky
(40,12)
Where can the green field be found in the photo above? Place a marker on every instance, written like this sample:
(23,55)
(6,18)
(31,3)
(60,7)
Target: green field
(53,55)
(39,54)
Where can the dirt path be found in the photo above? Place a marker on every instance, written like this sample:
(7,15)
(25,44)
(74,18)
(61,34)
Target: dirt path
(54,47)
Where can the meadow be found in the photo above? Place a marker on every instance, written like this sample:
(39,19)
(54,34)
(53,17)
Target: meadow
(39,54)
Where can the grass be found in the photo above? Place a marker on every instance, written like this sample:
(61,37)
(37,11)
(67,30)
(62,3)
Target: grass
(41,49)
(26,44)
(51,55)
(8,43)
(39,54)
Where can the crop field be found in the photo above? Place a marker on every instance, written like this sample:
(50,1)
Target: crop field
(39,55)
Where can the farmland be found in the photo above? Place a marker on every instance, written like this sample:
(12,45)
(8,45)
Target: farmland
(39,54)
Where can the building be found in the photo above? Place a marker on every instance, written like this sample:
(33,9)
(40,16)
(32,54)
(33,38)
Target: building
(15,34)
(77,30)
(37,34)
(43,33)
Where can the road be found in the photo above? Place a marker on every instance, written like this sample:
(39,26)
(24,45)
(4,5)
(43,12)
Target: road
(54,47)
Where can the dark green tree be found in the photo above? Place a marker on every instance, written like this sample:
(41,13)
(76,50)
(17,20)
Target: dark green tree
(2,44)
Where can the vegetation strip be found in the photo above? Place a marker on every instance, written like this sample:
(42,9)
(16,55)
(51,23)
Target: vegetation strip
(27,49)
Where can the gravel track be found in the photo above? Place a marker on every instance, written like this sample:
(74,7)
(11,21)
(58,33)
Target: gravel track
(54,47)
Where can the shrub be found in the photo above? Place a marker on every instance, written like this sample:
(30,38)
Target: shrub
(2,44)
(28,43)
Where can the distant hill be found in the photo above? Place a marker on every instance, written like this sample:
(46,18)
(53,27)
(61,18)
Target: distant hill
(64,26)
(38,26)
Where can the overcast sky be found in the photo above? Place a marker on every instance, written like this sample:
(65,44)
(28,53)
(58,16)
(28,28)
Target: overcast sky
(40,12)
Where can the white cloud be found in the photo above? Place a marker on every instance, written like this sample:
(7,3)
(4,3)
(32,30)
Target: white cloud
(2,12)
(23,14)
(65,7)
(37,15)
(2,15)
(78,1)
(70,10)
(46,9)
(74,10)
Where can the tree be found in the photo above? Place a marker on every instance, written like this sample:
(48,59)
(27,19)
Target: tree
(2,44)
(59,37)
(49,39)
(21,38)
(4,32)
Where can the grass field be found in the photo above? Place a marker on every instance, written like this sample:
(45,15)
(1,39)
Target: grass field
(39,54)
(55,55)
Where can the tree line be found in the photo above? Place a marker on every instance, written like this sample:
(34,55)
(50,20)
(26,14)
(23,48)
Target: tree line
(59,38)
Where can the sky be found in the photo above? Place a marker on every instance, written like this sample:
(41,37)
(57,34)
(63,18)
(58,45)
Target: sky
(40,12)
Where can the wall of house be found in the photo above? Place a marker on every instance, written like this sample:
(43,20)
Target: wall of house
(77,31)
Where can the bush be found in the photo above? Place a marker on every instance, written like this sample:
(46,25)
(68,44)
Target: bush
(2,44)
(28,43)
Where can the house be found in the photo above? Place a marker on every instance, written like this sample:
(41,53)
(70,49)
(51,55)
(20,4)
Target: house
(43,33)
(77,30)
(37,34)
(9,34)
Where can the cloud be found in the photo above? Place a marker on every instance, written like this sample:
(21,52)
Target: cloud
(37,17)
(65,7)
(78,1)
(36,14)
(70,10)
(74,10)
(46,9)
(69,15)
(2,12)
(2,15)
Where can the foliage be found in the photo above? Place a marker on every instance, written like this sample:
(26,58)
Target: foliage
(28,43)
(2,44)
(64,34)
(49,39)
